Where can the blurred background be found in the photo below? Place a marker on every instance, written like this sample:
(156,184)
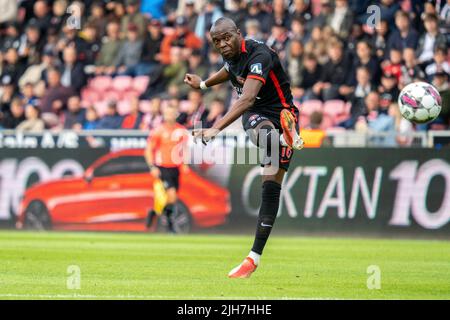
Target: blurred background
(80,80)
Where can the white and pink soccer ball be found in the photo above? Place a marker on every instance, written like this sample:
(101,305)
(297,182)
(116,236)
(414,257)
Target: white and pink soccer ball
(419,102)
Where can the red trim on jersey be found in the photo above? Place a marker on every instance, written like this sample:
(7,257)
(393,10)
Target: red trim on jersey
(243,48)
(252,76)
(278,87)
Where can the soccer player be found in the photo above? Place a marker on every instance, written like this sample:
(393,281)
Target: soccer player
(266,106)
(165,153)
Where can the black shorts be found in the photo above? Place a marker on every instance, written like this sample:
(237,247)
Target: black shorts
(251,119)
(170,177)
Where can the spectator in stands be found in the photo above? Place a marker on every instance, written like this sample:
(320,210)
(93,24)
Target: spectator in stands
(318,45)
(394,64)
(130,53)
(388,91)
(326,10)
(72,71)
(151,49)
(191,14)
(133,17)
(439,64)
(13,117)
(375,119)
(182,37)
(11,38)
(109,51)
(388,10)
(314,136)
(405,36)
(33,122)
(215,61)
(70,38)
(27,94)
(341,20)
(364,58)
(300,11)
(7,92)
(279,14)
(411,72)
(42,16)
(363,87)
(295,62)
(92,44)
(278,39)
(380,39)
(195,65)
(74,116)
(9,10)
(37,73)
(56,95)
(59,15)
(91,120)
(221,92)
(172,74)
(13,66)
(134,118)
(153,118)
(441,83)
(210,13)
(214,113)
(195,112)
(310,75)
(334,73)
(431,40)
(112,119)
(256,12)
(97,18)
(237,11)
(298,29)
(253,30)
(31,45)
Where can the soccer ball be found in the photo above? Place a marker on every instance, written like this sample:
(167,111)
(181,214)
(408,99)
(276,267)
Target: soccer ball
(419,102)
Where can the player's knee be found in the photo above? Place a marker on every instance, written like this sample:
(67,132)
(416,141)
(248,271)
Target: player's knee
(271,191)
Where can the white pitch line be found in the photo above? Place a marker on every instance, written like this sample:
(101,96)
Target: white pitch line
(93,296)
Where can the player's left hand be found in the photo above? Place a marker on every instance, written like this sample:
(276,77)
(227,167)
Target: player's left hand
(205,135)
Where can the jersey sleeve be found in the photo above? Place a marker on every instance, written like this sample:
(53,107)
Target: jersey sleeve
(259,65)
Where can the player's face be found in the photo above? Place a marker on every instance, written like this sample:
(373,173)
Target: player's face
(226,43)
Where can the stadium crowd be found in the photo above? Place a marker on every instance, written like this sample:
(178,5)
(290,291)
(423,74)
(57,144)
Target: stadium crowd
(101,64)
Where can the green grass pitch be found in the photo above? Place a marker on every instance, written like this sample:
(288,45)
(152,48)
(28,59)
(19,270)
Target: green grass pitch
(157,266)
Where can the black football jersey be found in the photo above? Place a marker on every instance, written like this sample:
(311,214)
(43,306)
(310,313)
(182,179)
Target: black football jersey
(258,61)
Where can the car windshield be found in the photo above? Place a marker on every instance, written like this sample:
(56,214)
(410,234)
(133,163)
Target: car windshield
(122,165)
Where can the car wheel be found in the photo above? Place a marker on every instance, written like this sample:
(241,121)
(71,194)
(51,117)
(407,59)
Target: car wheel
(181,219)
(37,217)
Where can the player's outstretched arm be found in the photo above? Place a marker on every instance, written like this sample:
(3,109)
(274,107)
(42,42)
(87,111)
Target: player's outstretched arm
(219,77)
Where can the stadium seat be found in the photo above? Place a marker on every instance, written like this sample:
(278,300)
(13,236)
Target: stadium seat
(101,107)
(327,122)
(310,106)
(145,105)
(140,83)
(304,121)
(123,107)
(112,95)
(100,83)
(90,95)
(130,94)
(122,83)
(334,107)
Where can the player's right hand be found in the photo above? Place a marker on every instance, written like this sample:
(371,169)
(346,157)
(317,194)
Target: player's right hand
(155,172)
(193,80)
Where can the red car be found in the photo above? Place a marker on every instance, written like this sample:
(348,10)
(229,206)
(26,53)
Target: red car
(116,193)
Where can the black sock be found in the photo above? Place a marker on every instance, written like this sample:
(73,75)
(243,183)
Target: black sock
(267,214)
(168,209)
